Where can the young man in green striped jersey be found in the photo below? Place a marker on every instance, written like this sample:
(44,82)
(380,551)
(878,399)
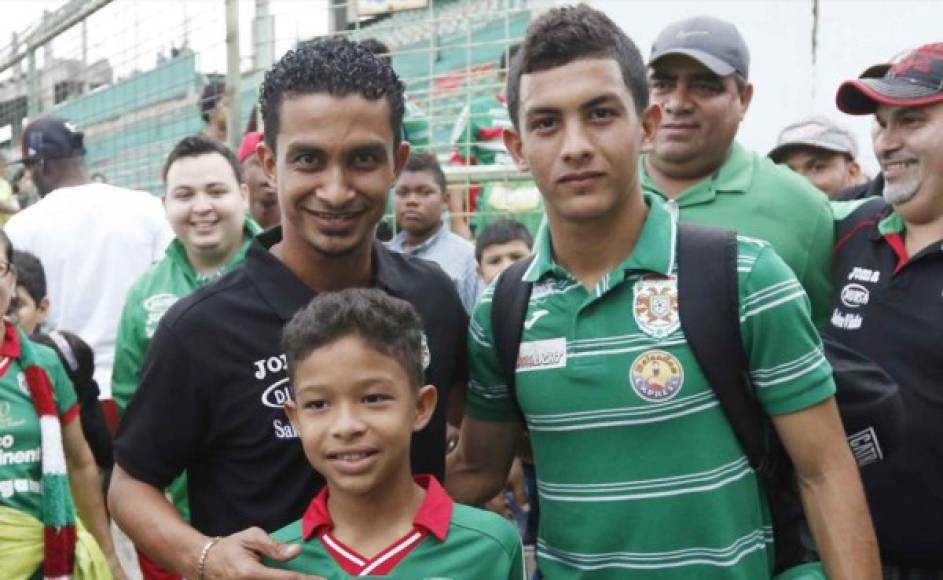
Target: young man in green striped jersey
(639,473)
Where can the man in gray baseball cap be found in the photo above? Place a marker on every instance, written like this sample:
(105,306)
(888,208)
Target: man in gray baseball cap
(699,75)
(822,151)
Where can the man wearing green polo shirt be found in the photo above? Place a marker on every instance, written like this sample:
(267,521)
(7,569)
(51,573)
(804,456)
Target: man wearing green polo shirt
(639,473)
(207,211)
(698,74)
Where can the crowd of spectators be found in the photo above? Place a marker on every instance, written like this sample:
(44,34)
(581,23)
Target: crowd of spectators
(243,375)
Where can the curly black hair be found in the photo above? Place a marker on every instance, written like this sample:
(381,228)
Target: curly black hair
(336,66)
(568,33)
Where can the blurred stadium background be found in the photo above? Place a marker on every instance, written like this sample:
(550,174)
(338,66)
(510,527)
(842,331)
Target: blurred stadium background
(129,73)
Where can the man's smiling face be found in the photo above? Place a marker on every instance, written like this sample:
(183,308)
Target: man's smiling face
(333,168)
(908,142)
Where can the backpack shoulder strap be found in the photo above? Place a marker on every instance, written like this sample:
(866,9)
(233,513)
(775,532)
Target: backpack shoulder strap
(709,307)
(508,309)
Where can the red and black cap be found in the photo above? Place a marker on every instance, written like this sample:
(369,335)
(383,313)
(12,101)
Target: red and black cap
(915,80)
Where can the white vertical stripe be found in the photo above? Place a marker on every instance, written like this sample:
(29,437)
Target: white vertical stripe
(674,242)
(53,456)
(533,265)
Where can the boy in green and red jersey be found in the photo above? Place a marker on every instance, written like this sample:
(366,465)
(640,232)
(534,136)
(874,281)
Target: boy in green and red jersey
(355,361)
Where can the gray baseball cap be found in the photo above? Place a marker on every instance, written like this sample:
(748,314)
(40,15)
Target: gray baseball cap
(818,132)
(715,43)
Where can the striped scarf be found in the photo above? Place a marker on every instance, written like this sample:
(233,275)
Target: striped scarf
(59,534)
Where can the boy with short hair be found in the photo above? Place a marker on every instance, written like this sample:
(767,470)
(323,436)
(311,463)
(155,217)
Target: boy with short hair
(500,244)
(31,304)
(421,198)
(355,361)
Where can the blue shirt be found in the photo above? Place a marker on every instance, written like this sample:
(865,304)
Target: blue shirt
(452,253)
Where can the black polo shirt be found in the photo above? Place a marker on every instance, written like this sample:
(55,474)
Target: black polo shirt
(889,307)
(214,382)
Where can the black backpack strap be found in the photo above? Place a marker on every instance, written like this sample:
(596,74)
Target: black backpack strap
(508,310)
(709,308)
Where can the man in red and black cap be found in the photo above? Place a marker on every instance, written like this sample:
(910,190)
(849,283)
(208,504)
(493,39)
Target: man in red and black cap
(887,304)
(263,198)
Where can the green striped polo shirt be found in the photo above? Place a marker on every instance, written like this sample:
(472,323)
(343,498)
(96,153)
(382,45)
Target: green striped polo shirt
(639,473)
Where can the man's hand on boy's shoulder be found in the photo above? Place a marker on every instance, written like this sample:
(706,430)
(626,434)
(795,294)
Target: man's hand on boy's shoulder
(237,557)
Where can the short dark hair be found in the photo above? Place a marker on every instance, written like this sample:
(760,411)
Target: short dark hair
(336,66)
(507,55)
(386,324)
(568,33)
(8,245)
(196,145)
(210,97)
(501,231)
(30,275)
(423,161)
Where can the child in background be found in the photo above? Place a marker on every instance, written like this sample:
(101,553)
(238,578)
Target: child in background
(28,310)
(78,360)
(355,361)
(30,305)
(500,244)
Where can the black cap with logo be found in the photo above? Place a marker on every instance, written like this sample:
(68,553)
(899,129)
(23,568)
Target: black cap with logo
(50,137)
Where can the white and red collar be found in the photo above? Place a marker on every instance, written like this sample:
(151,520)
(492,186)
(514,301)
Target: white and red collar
(433,517)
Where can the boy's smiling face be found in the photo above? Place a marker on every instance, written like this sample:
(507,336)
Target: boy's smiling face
(355,412)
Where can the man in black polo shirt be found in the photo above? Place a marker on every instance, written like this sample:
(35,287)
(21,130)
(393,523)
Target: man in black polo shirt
(212,389)
(888,304)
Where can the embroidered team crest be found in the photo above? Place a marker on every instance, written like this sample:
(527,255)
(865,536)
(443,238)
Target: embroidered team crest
(656,376)
(655,307)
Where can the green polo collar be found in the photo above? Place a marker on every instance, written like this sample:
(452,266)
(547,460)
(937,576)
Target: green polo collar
(734,176)
(654,251)
(891,224)
(176,252)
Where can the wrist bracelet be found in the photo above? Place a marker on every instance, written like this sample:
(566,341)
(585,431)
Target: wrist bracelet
(201,567)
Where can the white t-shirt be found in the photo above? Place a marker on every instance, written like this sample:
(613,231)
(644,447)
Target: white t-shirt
(94,241)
